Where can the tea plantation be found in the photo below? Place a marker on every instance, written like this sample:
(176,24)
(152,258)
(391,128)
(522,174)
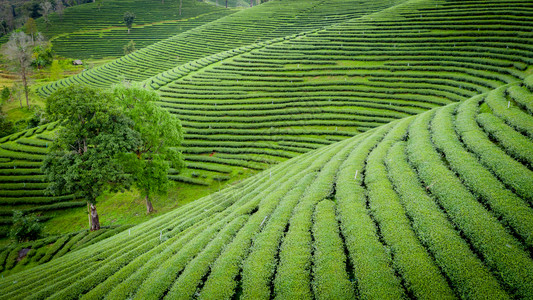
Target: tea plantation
(274,19)
(275,99)
(45,249)
(432,206)
(86,31)
(391,142)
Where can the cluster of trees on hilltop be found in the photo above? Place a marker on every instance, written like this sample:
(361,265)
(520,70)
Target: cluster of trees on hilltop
(15,13)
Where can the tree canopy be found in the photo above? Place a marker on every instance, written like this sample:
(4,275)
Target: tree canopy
(128,19)
(160,132)
(129,47)
(85,158)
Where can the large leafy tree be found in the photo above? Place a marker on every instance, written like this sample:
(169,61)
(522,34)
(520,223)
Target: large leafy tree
(160,134)
(86,157)
(129,17)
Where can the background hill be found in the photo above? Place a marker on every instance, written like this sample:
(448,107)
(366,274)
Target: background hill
(273,100)
(436,205)
(343,69)
(274,19)
(92,31)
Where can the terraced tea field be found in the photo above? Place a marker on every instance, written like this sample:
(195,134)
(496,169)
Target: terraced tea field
(434,206)
(154,21)
(43,250)
(274,19)
(22,186)
(392,143)
(275,99)
(21,180)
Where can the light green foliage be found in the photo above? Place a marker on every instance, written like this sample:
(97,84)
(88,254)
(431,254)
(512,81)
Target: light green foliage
(259,267)
(55,70)
(293,278)
(500,250)
(370,259)
(280,231)
(199,266)
(254,92)
(410,259)
(510,172)
(329,261)
(466,272)
(159,132)
(512,114)
(516,213)
(43,55)
(227,266)
(515,144)
(522,96)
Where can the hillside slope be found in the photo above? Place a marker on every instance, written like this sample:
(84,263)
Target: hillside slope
(251,107)
(274,19)
(86,31)
(434,206)
(22,185)
(276,99)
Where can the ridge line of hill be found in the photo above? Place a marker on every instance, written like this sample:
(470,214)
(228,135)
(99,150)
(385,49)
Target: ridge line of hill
(400,201)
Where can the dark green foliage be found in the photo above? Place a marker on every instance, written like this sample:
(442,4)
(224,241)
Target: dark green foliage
(83,160)
(6,126)
(25,227)
(6,93)
(129,17)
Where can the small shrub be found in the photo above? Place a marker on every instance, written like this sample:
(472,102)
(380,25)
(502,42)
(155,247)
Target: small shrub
(25,227)
(221,178)
(6,93)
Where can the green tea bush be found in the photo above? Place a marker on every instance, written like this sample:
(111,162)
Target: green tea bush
(483,230)
(466,272)
(510,172)
(506,205)
(25,228)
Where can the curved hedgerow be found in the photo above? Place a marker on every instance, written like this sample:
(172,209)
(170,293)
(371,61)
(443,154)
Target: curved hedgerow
(402,210)
(305,70)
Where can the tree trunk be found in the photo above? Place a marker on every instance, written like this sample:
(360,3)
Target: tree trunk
(89,214)
(251,3)
(25,83)
(95,223)
(226,3)
(149,207)
(128,31)
(180,7)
